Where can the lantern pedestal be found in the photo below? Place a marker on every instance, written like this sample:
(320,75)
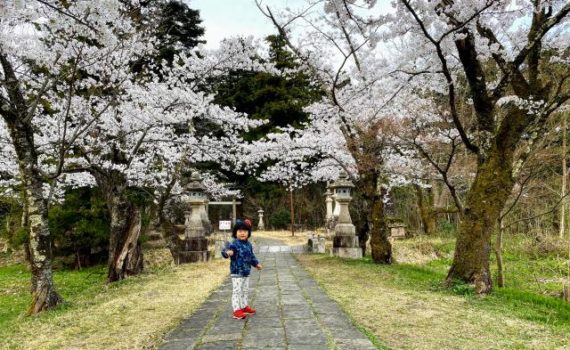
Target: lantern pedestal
(192,249)
(345,241)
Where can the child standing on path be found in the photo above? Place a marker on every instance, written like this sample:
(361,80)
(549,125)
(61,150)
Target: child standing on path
(240,251)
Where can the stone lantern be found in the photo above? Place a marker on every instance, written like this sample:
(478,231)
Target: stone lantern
(261,224)
(345,241)
(193,246)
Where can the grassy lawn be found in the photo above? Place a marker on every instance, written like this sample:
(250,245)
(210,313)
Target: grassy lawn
(405,306)
(401,306)
(132,314)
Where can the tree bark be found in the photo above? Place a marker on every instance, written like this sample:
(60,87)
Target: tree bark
(427,214)
(44,294)
(380,246)
(125,253)
(363,232)
(485,200)
(373,193)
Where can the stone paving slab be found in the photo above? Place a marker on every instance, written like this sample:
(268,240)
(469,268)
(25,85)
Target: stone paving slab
(293,313)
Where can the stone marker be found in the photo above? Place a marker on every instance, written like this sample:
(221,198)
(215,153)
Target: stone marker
(261,224)
(398,230)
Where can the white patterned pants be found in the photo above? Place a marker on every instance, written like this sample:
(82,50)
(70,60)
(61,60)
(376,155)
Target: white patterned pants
(239,292)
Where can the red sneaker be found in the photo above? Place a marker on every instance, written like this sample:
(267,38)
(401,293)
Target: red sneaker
(248,310)
(239,314)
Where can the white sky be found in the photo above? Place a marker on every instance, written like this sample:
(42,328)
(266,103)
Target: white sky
(225,18)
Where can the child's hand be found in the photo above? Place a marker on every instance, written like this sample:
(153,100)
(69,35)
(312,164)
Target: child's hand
(259,267)
(230,252)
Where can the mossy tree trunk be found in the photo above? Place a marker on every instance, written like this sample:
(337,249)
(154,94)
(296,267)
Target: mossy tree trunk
(15,115)
(374,193)
(427,214)
(500,132)
(485,200)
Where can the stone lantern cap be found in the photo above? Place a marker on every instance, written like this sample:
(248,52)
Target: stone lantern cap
(195,187)
(342,182)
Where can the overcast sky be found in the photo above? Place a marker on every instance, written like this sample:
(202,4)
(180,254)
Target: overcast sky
(224,18)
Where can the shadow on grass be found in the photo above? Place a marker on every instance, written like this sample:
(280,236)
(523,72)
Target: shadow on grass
(545,310)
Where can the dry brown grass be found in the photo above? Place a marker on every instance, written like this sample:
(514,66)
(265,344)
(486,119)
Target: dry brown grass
(410,319)
(133,314)
(284,236)
(420,250)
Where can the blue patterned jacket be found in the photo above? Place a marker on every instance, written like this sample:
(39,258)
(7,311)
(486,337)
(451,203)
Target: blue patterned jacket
(243,258)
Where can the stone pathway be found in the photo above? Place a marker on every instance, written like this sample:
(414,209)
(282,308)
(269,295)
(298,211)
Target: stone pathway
(292,313)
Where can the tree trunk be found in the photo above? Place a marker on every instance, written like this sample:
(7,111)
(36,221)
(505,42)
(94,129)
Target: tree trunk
(564,175)
(380,246)
(373,194)
(166,227)
(427,213)
(485,200)
(292,210)
(44,295)
(125,253)
(363,232)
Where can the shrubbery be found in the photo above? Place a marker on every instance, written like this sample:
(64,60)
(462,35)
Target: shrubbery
(80,227)
(280,219)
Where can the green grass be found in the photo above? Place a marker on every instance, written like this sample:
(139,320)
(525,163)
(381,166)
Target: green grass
(523,296)
(14,283)
(133,313)
(15,296)
(403,305)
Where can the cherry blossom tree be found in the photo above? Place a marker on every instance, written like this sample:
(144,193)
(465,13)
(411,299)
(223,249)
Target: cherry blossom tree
(513,58)
(72,103)
(153,131)
(509,59)
(339,48)
(60,61)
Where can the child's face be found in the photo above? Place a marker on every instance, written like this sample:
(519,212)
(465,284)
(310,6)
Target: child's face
(242,235)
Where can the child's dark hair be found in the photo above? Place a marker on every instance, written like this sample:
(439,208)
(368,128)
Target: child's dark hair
(241,225)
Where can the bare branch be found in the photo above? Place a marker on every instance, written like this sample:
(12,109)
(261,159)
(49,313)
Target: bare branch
(68,14)
(450,83)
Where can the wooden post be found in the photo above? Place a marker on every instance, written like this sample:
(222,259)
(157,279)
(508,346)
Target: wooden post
(292,213)
(234,211)
(564,175)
